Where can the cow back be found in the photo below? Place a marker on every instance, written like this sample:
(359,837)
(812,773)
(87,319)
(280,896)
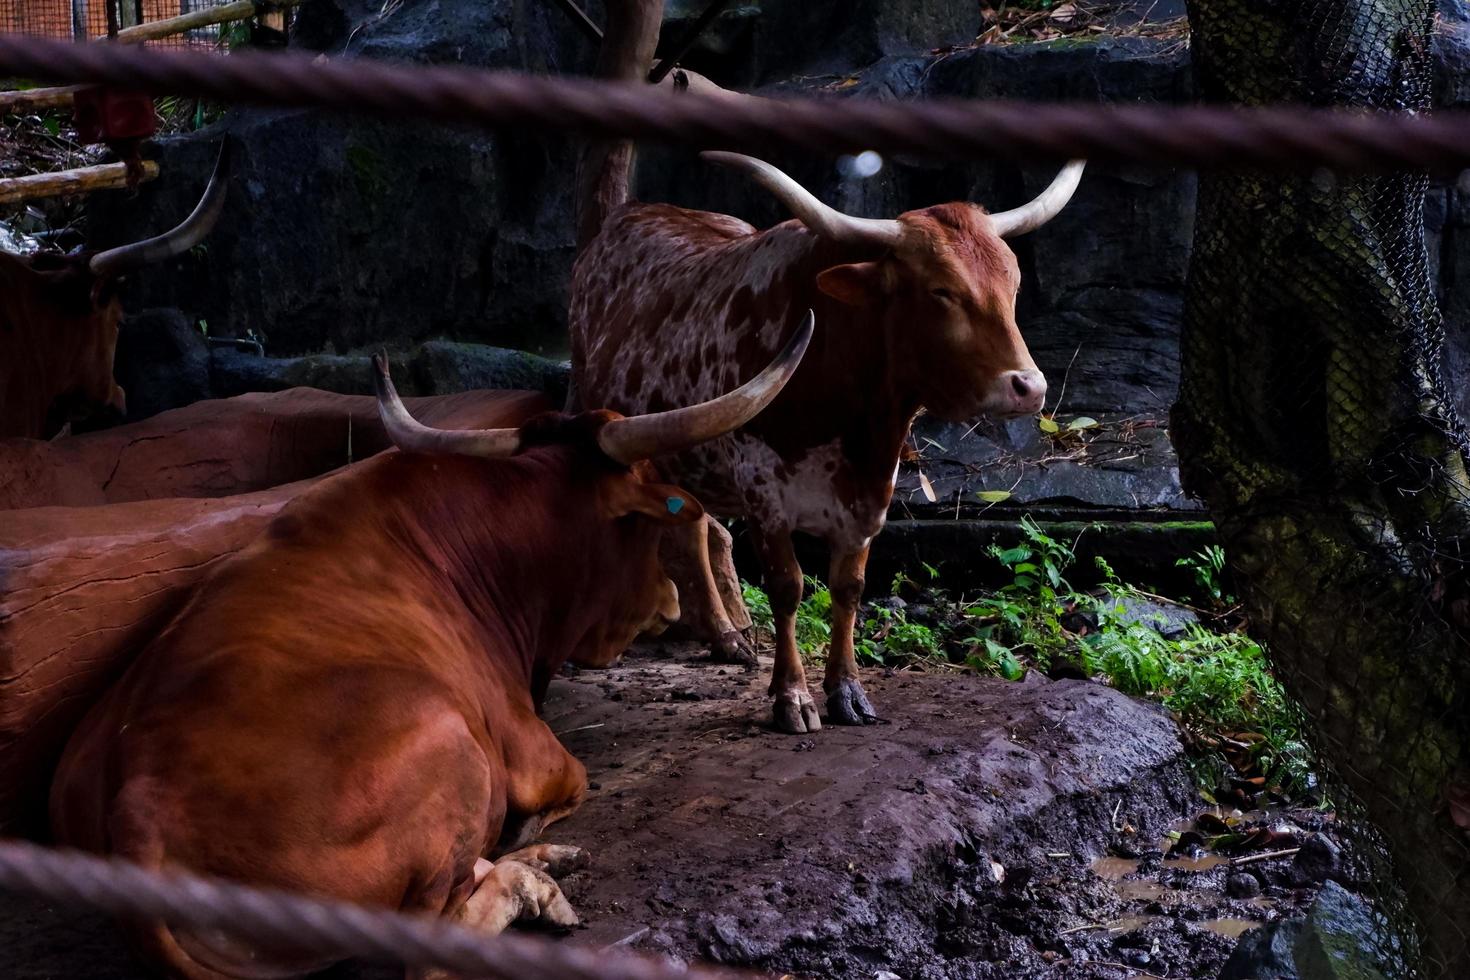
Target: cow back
(229,446)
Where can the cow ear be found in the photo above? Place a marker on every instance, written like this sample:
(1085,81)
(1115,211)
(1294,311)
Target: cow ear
(856,284)
(663,502)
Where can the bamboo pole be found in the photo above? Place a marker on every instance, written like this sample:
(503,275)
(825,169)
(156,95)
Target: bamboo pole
(84,180)
(158,29)
(33,100)
(36,99)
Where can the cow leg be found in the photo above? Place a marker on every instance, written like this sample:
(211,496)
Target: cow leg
(506,892)
(544,782)
(847,703)
(722,567)
(795,711)
(557,860)
(686,556)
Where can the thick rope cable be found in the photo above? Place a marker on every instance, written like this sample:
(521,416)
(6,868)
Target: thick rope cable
(1286,138)
(281,921)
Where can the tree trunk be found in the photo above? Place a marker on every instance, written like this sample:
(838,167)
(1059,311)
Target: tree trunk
(605,167)
(1314,419)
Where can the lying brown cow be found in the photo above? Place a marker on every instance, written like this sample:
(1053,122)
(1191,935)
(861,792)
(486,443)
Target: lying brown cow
(59,317)
(348,707)
(85,586)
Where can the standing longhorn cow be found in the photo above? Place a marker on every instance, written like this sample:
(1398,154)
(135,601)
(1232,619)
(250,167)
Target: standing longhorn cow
(918,312)
(348,706)
(59,322)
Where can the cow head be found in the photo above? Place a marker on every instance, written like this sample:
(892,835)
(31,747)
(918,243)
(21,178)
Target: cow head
(74,341)
(627,504)
(944,285)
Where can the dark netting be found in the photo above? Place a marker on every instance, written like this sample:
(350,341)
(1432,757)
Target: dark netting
(1315,419)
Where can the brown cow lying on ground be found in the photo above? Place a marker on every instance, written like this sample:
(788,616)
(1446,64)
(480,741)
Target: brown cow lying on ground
(58,323)
(348,707)
(85,586)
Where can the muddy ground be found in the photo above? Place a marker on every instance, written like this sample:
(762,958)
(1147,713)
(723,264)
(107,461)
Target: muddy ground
(986,829)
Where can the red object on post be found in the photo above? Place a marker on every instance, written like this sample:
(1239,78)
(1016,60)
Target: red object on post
(108,115)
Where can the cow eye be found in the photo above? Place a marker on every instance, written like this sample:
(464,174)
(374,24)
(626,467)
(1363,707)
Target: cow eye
(943,294)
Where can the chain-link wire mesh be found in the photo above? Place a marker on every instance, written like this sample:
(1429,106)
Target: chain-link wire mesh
(87,19)
(1314,417)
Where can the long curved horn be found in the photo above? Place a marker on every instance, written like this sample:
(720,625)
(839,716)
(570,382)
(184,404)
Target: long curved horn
(414,437)
(1047,205)
(822,220)
(126,258)
(646,436)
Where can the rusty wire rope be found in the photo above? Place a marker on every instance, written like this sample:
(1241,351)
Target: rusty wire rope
(277,920)
(1280,138)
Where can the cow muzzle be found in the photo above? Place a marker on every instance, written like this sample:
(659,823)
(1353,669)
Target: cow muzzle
(667,612)
(1017,393)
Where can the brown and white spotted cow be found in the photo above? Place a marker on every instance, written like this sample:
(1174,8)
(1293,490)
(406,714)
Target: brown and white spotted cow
(917,312)
(59,321)
(348,707)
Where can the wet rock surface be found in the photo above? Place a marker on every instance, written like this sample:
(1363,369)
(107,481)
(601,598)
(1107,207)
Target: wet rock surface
(856,849)
(435,368)
(1339,938)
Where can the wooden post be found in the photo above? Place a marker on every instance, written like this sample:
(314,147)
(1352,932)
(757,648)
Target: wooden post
(84,180)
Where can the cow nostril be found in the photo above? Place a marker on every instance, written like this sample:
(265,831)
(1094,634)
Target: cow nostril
(1019,385)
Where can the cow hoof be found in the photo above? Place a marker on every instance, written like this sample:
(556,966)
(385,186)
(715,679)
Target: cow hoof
(734,648)
(529,895)
(848,704)
(796,713)
(557,860)
(539,896)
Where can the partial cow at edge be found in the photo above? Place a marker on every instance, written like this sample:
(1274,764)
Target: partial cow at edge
(59,322)
(918,312)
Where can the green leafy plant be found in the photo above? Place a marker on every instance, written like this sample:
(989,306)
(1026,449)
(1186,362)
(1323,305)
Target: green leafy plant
(1208,570)
(1026,615)
(887,635)
(813,616)
(1216,681)
(758,604)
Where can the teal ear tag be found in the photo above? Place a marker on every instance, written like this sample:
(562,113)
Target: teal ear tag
(674,504)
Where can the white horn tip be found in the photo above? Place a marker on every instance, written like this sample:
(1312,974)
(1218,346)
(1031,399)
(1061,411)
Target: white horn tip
(723,158)
(795,349)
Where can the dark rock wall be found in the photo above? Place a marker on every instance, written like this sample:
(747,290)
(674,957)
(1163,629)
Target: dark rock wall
(344,233)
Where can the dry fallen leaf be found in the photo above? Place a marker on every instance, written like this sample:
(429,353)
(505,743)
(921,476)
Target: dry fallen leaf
(927,487)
